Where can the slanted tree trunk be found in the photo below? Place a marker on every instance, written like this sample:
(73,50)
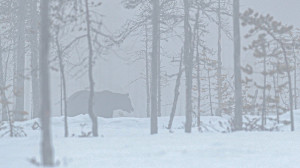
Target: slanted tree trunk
(154,64)
(238,111)
(290,87)
(176,93)
(286,61)
(91,80)
(46,145)
(20,58)
(219,70)
(34,59)
(188,63)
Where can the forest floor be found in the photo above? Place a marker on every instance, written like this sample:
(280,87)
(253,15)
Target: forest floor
(126,143)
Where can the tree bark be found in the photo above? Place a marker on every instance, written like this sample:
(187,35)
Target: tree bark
(276,97)
(238,111)
(147,74)
(209,92)
(198,87)
(188,62)
(63,78)
(263,114)
(154,63)
(197,39)
(20,58)
(34,60)
(219,71)
(290,87)
(2,90)
(295,76)
(46,146)
(91,80)
(158,70)
(176,93)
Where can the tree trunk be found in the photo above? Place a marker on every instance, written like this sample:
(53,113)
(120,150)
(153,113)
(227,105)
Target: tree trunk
(290,87)
(158,70)
(209,91)
(2,90)
(188,62)
(176,93)
(196,33)
(276,97)
(63,78)
(34,60)
(238,111)
(295,78)
(263,114)
(147,74)
(47,150)
(154,64)
(219,71)
(198,83)
(91,81)
(20,58)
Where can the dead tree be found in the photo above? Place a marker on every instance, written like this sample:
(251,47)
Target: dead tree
(176,92)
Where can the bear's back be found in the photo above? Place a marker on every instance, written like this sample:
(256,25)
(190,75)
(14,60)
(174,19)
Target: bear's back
(105,102)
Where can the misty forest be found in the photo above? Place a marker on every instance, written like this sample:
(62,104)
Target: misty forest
(149,83)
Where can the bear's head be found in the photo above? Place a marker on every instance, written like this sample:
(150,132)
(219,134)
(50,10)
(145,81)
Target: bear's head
(125,103)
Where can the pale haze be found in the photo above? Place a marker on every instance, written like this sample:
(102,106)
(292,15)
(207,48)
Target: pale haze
(149,83)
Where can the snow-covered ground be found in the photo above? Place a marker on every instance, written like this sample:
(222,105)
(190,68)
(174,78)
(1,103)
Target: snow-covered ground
(126,143)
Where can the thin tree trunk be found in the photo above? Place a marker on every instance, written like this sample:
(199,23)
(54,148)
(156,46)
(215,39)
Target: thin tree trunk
(286,61)
(176,93)
(291,101)
(158,71)
(238,111)
(197,39)
(2,90)
(62,72)
(276,97)
(91,81)
(219,71)
(188,62)
(198,82)
(34,60)
(47,150)
(263,114)
(61,96)
(147,74)
(295,78)
(1,82)
(209,90)
(154,63)
(6,116)
(290,88)
(20,58)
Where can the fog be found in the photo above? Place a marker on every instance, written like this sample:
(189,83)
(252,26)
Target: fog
(129,69)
